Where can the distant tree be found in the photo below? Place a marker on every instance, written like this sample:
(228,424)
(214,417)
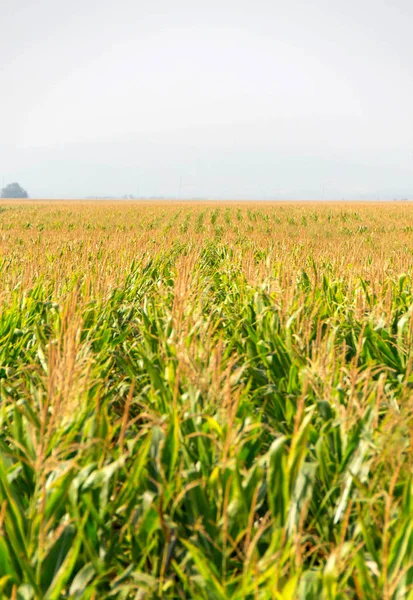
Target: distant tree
(13,190)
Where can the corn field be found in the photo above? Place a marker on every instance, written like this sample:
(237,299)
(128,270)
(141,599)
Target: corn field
(206,400)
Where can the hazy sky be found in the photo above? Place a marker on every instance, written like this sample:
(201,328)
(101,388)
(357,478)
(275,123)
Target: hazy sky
(242,99)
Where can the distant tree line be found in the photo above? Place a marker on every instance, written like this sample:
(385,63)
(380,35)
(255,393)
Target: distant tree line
(13,190)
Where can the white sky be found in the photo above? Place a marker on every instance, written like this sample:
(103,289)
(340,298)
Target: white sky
(251,99)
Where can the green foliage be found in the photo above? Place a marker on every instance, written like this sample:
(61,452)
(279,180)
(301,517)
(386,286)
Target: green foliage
(193,433)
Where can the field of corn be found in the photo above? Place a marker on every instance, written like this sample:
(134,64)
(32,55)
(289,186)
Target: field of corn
(207,401)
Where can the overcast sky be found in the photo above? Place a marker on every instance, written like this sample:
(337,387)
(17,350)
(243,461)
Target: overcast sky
(219,99)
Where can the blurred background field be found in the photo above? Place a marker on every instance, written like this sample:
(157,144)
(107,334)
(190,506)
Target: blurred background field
(100,239)
(206,400)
